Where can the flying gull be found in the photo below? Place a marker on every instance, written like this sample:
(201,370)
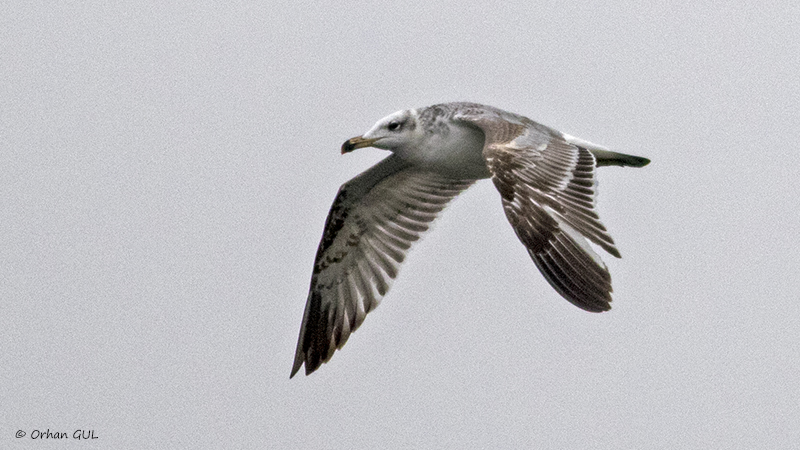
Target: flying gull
(547,185)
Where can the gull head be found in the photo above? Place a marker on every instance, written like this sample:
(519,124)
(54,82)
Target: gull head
(394,132)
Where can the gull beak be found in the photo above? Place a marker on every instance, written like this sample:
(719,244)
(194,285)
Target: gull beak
(357,142)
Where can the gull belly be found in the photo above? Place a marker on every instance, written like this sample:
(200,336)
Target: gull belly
(454,150)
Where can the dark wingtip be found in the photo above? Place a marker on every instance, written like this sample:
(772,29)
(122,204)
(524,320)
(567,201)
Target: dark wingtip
(299,359)
(311,364)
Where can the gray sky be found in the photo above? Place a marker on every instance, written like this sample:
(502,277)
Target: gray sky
(167,170)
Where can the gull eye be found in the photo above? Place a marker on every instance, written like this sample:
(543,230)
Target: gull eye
(393,126)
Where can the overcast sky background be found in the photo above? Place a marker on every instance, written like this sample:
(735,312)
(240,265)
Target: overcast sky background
(166,170)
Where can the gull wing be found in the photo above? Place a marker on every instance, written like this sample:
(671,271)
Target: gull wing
(548,190)
(372,223)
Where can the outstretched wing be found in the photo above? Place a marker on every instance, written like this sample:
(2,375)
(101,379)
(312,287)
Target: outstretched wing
(373,221)
(548,189)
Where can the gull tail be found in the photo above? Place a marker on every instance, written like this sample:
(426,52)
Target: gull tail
(609,158)
(606,157)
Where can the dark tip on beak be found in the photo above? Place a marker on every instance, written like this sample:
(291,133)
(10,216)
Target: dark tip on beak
(348,146)
(356,142)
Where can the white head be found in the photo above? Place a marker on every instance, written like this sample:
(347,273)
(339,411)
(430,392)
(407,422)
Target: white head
(393,132)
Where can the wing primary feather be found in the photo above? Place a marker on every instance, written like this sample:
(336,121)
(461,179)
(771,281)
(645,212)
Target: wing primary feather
(373,222)
(579,266)
(588,266)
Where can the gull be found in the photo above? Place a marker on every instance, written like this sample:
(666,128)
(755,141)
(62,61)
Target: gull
(547,186)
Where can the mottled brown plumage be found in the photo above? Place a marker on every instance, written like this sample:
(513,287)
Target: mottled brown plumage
(547,186)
